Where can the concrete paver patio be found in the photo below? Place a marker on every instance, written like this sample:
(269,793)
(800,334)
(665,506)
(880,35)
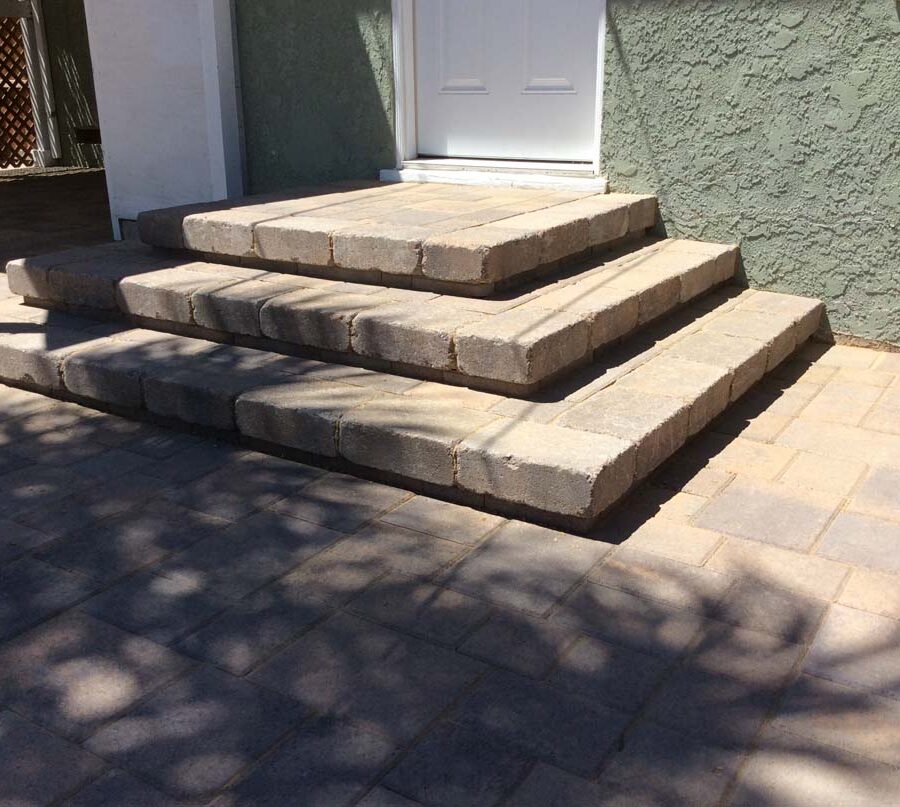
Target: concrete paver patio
(188,620)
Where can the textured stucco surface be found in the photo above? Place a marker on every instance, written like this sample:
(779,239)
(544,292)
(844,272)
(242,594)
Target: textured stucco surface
(317,88)
(771,122)
(73,82)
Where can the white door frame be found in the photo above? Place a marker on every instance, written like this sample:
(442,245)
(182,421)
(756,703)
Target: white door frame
(409,168)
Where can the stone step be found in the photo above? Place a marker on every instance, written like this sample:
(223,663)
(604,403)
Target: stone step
(431,236)
(561,459)
(513,343)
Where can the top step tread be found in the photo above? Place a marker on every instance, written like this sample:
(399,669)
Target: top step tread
(469,236)
(571,454)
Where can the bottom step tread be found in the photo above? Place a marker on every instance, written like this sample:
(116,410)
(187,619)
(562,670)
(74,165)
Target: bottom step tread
(564,458)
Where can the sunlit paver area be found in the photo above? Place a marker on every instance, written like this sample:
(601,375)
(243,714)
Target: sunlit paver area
(188,621)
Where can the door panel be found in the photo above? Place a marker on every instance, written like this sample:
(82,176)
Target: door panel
(507,79)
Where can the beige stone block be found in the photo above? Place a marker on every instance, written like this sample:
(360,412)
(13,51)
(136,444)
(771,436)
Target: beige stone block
(411,333)
(110,370)
(298,239)
(233,306)
(395,250)
(29,277)
(35,357)
(410,437)
(226,232)
(805,312)
(299,414)
(164,294)
(563,230)
(782,568)
(775,330)
(656,425)
(654,280)
(317,317)
(704,388)
(608,216)
(485,254)
(455,396)
(522,346)
(612,313)
(164,227)
(642,213)
(744,358)
(546,467)
(203,390)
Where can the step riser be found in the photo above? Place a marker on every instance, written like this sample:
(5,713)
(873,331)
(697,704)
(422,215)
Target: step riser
(569,472)
(511,347)
(418,282)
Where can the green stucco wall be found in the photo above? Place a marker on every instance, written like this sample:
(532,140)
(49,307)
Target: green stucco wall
(73,82)
(771,122)
(317,89)
(775,123)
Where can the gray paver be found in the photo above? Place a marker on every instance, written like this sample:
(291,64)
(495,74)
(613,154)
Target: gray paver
(39,768)
(157,607)
(454,765)
(31,591)
(252,629)
(622,619)
(541,721)
(758,606)
(857,649)
(603,673)
(130,541)
(249,554)
(796,772)
(443,519)
(879,493)
(326,763)
(547,786)
(525,566)
(341,502)
(519,643)
(660,766)
(841,716)
(420,608)
(197,733)
(75,672)
(118,788)
(863,540)
(712,708)
(768,512)
(402,684)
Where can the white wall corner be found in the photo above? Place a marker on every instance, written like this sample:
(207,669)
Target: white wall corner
(221,97)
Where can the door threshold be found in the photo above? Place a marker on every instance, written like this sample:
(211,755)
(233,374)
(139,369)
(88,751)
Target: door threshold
(501,173)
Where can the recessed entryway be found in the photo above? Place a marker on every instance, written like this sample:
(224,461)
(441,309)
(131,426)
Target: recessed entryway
(499,91)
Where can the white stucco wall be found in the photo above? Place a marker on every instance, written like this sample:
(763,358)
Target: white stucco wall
(164,75)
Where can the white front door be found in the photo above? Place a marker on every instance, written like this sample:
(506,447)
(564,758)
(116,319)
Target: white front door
(507,79)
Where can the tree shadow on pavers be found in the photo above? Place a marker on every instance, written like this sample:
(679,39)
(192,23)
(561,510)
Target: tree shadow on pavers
(680,662)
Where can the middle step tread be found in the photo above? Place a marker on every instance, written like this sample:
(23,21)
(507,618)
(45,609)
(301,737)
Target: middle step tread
(513,344)
(566,457)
